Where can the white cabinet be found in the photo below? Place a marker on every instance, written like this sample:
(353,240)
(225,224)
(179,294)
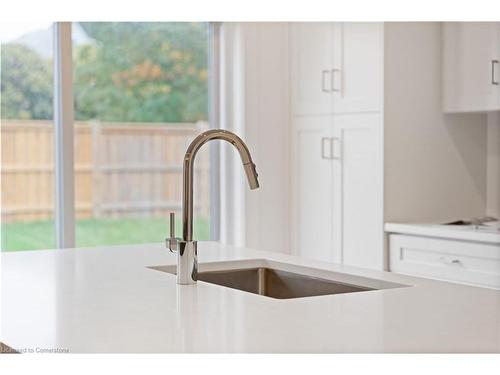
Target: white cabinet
(358,190)
(471,70)
(311,60)
(337,166)
(459,261)
(314,185)
(336,67)
(338,182)
(359,60)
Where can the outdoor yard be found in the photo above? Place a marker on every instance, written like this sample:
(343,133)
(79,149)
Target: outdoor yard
(135,113)
(35,235)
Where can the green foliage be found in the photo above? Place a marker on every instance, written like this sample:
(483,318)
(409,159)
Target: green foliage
(26,84)
(137,72)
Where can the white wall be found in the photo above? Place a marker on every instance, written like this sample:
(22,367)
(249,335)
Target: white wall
(493,166)
(264,112)
(435,164)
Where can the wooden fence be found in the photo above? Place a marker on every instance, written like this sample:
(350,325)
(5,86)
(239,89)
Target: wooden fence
(121,170)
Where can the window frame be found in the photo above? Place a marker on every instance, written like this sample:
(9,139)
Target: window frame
(214,75)
(64,214)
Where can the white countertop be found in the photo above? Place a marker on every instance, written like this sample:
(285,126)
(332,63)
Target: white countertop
(454,232)
(107,300)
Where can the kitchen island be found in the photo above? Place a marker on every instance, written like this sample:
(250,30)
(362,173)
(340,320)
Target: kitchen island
(109,299)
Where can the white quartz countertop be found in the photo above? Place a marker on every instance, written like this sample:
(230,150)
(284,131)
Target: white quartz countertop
(107,300)
(454,232)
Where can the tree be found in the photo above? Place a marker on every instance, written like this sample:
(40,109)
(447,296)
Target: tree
(26,84)
(147,72)
(131,72)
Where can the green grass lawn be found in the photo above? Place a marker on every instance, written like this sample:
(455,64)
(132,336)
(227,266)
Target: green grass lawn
(94,232)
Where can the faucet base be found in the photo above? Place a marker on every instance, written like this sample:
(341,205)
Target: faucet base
(187,262)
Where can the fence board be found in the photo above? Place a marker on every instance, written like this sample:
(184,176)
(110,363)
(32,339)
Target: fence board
(121,170)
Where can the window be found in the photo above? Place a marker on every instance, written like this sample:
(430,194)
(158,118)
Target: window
(140,96)
(27,137)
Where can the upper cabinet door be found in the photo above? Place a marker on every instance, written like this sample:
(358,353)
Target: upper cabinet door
(471,71)
(358,67)
(311,67)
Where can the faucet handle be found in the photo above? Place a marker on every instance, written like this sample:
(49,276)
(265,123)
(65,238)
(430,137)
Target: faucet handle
(171,242)
(172,225)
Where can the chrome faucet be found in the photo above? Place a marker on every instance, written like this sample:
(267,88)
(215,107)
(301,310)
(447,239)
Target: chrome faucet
(186,248)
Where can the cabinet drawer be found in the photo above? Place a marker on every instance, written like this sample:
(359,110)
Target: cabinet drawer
(460,261)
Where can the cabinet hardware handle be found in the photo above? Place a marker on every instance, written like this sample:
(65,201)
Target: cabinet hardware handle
(493,80)
(339,89)
(323,140)
(339,143)
(451,262)
(323,79)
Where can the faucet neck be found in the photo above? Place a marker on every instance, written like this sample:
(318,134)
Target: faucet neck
(188,172)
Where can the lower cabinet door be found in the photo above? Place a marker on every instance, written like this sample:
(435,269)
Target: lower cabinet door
(358,190)
(458,261)
(312,187)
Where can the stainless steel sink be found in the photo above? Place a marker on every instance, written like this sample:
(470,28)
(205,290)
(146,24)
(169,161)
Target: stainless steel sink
(277,284)
(282,280)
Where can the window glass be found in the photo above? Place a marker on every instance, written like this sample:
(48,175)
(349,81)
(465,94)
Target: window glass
(27,134)
(141,95)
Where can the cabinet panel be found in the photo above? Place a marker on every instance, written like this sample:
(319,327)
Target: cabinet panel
(358,57)
(311,61)
(313,181)
(470,50)
(459,261)
(337,196)
(358,184)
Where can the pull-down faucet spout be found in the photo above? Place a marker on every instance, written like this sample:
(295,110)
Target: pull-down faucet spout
(187,267)
(189,157)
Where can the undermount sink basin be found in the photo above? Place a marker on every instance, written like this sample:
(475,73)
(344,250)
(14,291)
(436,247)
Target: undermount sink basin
(277,284)
(281,280)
